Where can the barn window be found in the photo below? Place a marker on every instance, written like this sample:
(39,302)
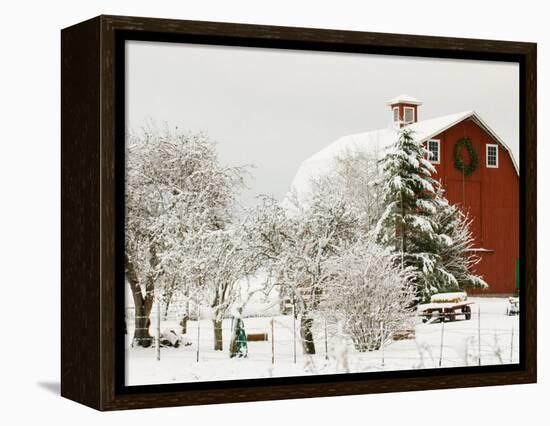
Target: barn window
(409,114)
(434,149)
(396,114)
(492,156)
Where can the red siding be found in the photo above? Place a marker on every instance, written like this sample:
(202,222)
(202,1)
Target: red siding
(491,197)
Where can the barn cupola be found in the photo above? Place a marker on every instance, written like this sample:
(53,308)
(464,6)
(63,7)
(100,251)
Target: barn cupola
(404,109)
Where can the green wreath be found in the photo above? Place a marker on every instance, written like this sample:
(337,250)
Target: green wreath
(467,169)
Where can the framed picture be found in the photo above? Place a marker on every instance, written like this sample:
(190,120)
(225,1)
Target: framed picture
(254,212)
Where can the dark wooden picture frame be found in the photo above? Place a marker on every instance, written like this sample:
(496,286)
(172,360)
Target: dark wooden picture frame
(92,176)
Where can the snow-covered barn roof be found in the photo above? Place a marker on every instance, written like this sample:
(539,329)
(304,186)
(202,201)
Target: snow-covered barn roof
(375,142)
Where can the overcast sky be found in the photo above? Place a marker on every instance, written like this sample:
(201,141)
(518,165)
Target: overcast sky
(274,108)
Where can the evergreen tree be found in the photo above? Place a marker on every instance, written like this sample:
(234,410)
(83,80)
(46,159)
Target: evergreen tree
(408,223)
(425,232)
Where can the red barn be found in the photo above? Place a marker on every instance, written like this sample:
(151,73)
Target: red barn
(488,192)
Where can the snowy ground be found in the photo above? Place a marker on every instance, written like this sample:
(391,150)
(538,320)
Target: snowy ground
(499,345)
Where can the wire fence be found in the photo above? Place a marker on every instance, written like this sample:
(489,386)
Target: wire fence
(278,339)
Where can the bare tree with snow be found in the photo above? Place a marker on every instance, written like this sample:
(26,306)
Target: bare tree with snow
(356,176)
(175,189)
(216,264)
(294,246)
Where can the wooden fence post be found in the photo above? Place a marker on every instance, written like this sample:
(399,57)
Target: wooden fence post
(478,334)
(158,330)
(441,344)
(382,343)
(326,341)
(512,346)
(198,331)
(272,342)
(294,327)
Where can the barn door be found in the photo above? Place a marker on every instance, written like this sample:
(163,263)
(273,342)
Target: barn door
(467,195)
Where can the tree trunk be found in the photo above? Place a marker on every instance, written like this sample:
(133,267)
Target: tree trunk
(143,306)
(218,336)
(183,324)
(168,296)
(141,333)
(306,333)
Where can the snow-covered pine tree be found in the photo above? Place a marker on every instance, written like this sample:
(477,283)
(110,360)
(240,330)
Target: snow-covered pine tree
(409,221)
(424,230)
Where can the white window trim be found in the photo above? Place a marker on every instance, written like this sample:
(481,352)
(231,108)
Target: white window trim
(438,150)
(405,108)
(393,115)
(489,166)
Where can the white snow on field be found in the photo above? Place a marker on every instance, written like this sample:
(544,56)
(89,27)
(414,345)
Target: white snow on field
(499,344)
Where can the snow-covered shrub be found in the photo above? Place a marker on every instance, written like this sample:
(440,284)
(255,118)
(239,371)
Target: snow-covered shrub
(368,294)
